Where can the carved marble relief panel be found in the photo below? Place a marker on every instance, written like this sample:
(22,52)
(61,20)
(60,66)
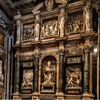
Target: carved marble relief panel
(28,31)
(74,22)
(74,76)
(27,77)
(49,27)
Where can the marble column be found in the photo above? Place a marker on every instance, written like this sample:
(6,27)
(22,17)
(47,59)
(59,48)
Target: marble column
(18,22)
(17,87)
(61,73)
(62,21)
(88,16)
(86,70)
(16,95)
(86,75)
(37,26)
(36,73)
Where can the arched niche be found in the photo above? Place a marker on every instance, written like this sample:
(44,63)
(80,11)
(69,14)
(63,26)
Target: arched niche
(48,74)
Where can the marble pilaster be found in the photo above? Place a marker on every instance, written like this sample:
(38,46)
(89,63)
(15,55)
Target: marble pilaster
(61,73)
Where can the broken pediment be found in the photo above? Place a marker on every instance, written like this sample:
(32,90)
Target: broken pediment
(48,5)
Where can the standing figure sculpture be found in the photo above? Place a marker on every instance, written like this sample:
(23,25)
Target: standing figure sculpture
(37,27)
(48,73)
(87,18)
(62,22)
(1,74)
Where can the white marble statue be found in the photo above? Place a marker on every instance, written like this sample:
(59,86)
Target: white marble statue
(48,73)
(87,18)
(37,27)
(62,22)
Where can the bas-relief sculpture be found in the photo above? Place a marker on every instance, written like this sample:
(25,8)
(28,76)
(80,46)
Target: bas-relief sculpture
(73,76)
(50,28)
(28,31)
(27,79)
(74,23)
(1,74)
(48,73)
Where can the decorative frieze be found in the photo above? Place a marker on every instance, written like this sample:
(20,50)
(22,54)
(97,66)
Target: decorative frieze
(74,51)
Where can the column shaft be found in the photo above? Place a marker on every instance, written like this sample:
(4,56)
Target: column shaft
(61,73)
(18,75)
(86,72)
(36,73)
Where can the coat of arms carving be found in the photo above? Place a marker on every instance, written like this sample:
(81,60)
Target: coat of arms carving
(49,4)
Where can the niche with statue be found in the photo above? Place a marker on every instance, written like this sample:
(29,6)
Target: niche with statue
(48,74)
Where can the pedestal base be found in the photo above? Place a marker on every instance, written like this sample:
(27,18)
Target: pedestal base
(60,96)
(87,96)
(16,96)
(73,97)
(35,96)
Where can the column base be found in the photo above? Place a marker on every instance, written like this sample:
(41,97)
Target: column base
(16,96)
(36,39)
(73,97)
(35,96)
(87,96)
(60,96)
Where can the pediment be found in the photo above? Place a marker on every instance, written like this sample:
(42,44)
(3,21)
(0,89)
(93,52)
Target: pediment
(48,5)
